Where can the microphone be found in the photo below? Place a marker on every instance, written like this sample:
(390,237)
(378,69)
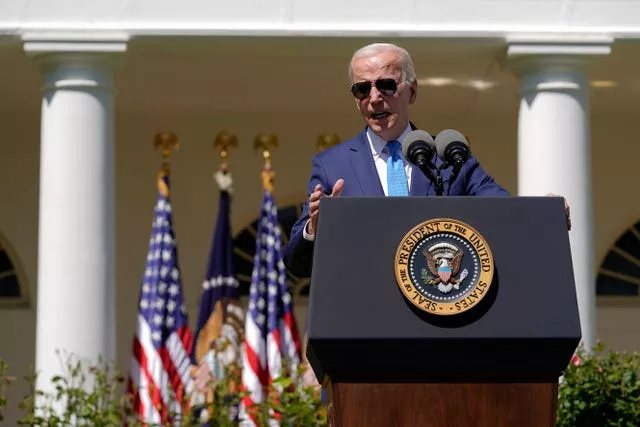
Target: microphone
(418,147)
(452,147)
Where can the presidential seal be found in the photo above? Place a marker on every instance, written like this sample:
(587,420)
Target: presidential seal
(444,266)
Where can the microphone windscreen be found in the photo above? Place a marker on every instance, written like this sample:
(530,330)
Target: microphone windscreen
(413,136)
(446,137)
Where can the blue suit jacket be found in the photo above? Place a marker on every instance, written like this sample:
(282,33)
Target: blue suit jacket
(352,160)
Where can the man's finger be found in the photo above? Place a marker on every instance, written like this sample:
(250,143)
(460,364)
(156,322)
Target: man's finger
(313,223)
(337,188)
(316,194)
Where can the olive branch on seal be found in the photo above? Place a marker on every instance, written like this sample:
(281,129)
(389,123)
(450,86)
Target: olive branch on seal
(427,279)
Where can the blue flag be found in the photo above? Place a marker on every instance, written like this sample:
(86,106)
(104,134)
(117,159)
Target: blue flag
(219,331)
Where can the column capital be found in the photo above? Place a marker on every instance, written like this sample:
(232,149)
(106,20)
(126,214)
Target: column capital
(76,59)
(72,47)
(530,52)
(43,42)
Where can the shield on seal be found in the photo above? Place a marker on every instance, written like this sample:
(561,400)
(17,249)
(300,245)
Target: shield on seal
(444,271)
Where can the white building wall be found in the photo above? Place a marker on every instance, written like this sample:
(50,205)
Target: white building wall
(475,17)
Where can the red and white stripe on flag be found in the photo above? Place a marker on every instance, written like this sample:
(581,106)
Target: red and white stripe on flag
(271,335)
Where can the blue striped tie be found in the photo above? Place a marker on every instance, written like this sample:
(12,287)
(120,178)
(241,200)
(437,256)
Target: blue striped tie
(396,177)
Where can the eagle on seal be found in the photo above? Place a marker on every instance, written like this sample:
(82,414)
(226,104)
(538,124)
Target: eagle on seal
(443,261)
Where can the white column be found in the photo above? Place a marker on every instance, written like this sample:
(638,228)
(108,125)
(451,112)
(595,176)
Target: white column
(76,240)
(554,147)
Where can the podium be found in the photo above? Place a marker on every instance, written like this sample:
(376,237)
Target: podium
(432,311)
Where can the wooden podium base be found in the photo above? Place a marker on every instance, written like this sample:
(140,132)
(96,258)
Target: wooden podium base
(442,405)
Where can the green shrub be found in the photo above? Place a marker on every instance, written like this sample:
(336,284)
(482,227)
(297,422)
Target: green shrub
(600,388)
(87,394)
(83,395)
(5,380)
(294,405)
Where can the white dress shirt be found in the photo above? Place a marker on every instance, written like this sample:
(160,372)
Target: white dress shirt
(380,155)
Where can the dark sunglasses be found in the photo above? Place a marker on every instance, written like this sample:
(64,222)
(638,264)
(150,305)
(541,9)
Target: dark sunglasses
(386,86)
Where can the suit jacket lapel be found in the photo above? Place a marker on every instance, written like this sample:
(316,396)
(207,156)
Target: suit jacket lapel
(363,166)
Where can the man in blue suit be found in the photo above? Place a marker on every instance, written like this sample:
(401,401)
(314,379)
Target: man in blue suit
(384,85)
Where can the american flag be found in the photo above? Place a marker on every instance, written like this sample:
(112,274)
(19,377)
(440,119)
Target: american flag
(271,335)
(159,376)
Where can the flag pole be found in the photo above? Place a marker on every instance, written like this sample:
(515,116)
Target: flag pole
(223,141)
(166,142)
(265,142)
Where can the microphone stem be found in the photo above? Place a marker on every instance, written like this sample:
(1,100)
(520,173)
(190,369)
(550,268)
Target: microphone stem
(437,182)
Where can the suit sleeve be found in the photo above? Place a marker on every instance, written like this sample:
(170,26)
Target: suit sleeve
(298,254)
(478,182)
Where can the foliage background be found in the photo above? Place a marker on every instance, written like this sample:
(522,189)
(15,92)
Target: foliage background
(600,388)
(88,394)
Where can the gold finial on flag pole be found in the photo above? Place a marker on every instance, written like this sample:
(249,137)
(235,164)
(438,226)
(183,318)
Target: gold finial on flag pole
(224,140)
(166,142)
(326,140)
(264,142)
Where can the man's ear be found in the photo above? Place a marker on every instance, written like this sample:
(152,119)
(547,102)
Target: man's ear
(414,92)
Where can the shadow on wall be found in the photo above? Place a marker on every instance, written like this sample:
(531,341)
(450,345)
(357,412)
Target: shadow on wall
(619,273)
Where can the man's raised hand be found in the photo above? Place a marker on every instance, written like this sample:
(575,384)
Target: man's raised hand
(314,203)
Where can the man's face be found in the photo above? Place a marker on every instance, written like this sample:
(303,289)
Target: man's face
(386,114)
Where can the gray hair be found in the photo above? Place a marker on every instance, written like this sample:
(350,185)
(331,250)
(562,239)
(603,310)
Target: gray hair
(406,63)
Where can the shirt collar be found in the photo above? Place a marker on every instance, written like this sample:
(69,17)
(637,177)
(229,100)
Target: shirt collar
(377,144)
